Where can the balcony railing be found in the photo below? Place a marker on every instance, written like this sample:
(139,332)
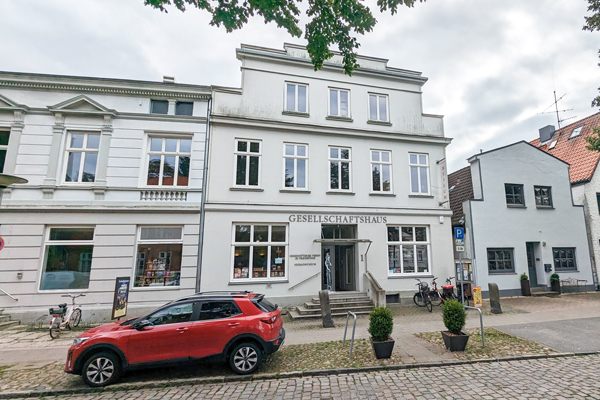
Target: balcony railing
(163,195)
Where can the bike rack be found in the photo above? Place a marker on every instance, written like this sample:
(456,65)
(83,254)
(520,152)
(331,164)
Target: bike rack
(346,330)
(480,321)
(87,321)
(39,321)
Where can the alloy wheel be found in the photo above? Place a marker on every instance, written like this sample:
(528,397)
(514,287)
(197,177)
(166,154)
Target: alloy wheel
(100,370)
(245,359)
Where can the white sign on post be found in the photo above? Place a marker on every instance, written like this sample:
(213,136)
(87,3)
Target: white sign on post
(460,248)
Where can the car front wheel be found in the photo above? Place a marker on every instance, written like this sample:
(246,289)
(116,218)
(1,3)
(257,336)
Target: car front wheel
(245,358)
(101,369)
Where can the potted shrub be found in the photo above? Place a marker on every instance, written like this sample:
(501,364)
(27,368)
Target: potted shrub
(381,324)
(555,283)
(525,288)
(454,315)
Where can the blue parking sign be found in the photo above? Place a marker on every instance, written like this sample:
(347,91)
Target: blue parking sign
(459,233)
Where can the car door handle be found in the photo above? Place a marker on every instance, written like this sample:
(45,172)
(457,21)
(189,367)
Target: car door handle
(234,324)
(181,329)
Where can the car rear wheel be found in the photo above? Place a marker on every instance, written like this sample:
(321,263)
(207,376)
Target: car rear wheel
(101,369)
(245,358)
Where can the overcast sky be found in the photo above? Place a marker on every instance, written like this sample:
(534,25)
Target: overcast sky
(492,64)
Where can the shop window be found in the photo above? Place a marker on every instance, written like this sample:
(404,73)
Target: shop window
(260,252)
(158,261)
(381,171)
(81,157)
(296,98)
(159,106)
(247,162)
(169,161)
(408,250)
(339,103)
(67,258)
(378,107)
(184,108)
(514,194)
(564,258)
(295,160)
(500,260)
(4,136)
(339,168)
(543,196)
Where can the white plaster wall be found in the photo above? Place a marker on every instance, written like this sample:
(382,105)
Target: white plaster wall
(586,195)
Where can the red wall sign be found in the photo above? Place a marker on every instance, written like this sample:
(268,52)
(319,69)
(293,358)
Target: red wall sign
(1,242)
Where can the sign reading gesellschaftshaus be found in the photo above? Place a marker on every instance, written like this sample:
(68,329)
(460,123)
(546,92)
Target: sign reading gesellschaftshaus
(338,219)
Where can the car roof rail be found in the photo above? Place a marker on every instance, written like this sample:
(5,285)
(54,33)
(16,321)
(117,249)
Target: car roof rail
(226,292)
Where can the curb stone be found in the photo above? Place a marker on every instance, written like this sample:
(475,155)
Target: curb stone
(280,375)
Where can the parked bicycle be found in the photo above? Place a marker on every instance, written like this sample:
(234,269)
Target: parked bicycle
(421,298)
(65,317)
(436,298)
(448,292)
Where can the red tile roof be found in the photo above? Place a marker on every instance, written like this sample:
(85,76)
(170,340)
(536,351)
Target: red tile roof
(583,162)
(461,186)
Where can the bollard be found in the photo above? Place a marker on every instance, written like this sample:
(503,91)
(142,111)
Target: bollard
(326,309)
(494,298)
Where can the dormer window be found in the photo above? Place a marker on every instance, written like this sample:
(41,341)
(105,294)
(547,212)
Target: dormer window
(576,132)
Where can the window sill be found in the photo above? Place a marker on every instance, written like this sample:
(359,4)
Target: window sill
(246,189)
(294,191)
(336,118)
(295,113)
(261,281)
(145,288)
(384,123)
(340,192)
(565,270)
(382,194)
(423,196)
(410,276)
(501,273)
(544,207)
(516,206)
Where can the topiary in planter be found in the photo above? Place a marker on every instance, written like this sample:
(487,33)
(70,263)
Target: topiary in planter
(381,324)
(554,278)
(454,316)
(555,283)
(524,277)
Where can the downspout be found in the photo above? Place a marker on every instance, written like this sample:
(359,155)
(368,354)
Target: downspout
(203,201)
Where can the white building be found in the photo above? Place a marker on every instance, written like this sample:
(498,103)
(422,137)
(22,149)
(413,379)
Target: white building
(115,171)
(520,218)
(316,170)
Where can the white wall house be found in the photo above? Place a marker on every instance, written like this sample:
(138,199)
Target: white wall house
(521,218)
(315,171)
(115,171)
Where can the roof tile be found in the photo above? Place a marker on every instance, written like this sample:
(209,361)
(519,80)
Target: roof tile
(461,189)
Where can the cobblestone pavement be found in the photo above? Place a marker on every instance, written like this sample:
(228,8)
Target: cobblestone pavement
(575,377)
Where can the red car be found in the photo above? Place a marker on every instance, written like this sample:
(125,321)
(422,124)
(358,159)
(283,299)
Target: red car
(240,328)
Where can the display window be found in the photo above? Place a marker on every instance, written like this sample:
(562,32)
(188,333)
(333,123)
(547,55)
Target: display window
(158,261)
(259,252)
(408,250)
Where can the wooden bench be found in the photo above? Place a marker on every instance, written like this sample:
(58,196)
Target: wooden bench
(573,283)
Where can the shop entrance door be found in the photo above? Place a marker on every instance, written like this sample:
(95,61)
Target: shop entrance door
(531,264)
(338,268)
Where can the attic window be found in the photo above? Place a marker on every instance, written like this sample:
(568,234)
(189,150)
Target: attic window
(552,145)
(576,132)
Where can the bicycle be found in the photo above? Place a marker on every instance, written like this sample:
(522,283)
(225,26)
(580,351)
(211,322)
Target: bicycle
(421,298)
(65,317)
(448,291)
(436,298)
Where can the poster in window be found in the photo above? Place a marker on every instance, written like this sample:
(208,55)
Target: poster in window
(121,297)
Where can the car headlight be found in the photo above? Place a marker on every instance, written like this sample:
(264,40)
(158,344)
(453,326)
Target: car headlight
(79,340)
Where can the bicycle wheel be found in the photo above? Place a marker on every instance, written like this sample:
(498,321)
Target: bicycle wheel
(436,299)
(428,303)
(75,318)
(55,328)
(418,299)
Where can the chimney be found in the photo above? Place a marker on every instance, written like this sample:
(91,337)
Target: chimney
(168,79)
(546,133)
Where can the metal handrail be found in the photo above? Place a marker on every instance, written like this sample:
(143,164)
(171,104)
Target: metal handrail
(299,283)
(353,330)
(8,294)
(480,321)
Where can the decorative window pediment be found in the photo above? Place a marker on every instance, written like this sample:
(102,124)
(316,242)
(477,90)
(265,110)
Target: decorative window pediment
(7,104)
(81,105)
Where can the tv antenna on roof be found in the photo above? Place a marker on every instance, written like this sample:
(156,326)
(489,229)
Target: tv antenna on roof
(555,104)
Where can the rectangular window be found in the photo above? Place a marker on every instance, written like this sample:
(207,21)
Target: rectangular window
(247,162)
(543,196)
(158,261)
(295,162)
(339,168)
(500,260)
(419,173)
(381,170)
(408,250)
(259,252)
(598,201)
(4,136)
(67,258)
(169,161)
(184,108)
(159,106)
(339,103)
(81,157)
(564,258)
(514,194)
(378,106)
(296,97)
(576,132)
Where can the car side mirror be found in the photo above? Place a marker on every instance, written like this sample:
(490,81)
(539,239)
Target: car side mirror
(140,325)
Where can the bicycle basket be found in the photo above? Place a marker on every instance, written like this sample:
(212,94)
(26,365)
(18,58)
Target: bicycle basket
(57,311)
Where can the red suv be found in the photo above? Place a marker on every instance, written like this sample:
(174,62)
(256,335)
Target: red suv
(240,328)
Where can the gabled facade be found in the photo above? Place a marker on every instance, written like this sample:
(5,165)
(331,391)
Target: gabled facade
(317,178)
(115,171)
(520,218)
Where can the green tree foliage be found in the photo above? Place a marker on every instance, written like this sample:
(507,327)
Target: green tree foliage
(592,23)
(332,22)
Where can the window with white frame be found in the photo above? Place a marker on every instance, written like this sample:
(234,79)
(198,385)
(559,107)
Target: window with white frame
(247,162)
(339,102)
(296,97)
(82,157)
(419,173)
(67,258)
(295,162)
(381,171)
(4,136)
(378,107)
(339,168)
(159,253)
(259,252)
(408,250)
(169,161)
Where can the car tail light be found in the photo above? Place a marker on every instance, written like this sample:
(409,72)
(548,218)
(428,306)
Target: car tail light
(270,320)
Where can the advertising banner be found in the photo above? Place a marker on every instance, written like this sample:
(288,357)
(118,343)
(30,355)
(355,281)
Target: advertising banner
(477,302)
(121,297)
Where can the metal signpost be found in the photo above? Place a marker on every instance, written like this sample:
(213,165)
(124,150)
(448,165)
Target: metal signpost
(459,242)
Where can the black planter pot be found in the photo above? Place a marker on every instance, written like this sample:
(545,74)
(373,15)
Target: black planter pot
(455,342)
(555,286)
(383,349)
(525,289)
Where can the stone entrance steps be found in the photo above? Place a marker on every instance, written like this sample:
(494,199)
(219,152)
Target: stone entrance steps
(7,321)
(341,302)
(542,291)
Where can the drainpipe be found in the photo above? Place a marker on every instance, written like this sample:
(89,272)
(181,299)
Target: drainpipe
(203,201)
